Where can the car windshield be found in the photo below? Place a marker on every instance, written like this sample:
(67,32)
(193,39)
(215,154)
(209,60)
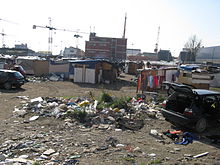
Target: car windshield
(21,68)
(18,75)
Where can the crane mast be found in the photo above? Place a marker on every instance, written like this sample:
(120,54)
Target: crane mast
(157,42)
(3,34)
(3,38)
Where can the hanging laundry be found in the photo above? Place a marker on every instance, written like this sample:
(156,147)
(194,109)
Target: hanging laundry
(155,81)
(151,81)
(139,83)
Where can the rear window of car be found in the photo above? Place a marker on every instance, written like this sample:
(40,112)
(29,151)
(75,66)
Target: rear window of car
(180,96)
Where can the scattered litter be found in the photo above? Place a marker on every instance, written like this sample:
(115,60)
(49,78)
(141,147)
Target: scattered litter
(156,134)
(33,118)
(23,97)
(200,155)
(23,156)
(118,130)
(75,156)
(120,145)
(187,138)
(19,112)
(38,99)
(49,152)
(152,155)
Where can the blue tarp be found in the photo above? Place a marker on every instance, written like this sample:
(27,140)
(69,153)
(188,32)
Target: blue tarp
(189,67)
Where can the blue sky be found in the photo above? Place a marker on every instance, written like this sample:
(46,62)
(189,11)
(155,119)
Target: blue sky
(178,20)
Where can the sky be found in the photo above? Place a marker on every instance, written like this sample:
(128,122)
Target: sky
(178,21)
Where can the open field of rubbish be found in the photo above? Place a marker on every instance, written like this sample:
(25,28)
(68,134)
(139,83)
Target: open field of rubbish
(65,123)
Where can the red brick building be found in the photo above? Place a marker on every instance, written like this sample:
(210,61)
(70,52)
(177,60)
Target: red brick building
(113,49)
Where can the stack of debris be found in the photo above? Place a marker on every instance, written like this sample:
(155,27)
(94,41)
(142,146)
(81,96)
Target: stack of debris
(50,77)
(124,113)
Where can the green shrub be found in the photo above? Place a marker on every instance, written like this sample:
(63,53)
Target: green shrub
(121,102)
(105,97)
(80,115)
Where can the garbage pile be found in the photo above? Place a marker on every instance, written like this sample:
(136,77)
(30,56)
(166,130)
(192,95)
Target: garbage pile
(50,77)
(125,113)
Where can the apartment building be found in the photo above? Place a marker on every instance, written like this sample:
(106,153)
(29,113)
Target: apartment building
(113,49)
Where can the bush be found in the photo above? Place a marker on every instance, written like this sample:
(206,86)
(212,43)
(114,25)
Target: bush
(121,102)
(80,115)
(105,97)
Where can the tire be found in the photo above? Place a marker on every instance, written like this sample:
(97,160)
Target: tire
(18,86)
(201,125)
(7,85)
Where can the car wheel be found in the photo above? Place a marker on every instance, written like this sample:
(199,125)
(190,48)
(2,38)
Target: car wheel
(18,86)
(7,85)
(201,125)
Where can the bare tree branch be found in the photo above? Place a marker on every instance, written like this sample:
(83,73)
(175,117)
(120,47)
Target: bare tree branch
(193,45)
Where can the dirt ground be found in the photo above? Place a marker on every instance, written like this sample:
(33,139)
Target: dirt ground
(87,146)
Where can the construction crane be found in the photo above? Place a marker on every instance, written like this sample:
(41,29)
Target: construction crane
(123,36)
(8,21)
(77,36)
(157,42)
(50,38)
(3,38)
(3,34)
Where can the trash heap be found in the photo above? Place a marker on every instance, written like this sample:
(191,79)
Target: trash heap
(50,77)
(125,113)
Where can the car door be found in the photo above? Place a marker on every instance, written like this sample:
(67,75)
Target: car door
(2,77)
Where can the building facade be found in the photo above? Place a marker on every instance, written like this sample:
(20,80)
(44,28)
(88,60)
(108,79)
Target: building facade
(133,52)
(165,55)
(72,52)
(208,55)
(113,49)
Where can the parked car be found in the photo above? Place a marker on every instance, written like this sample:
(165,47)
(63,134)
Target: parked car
(193,108)
(20,69)
(11,78)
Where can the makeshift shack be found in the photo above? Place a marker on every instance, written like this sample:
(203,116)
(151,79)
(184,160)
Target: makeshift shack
(132,67)
(34,66)
(59,68)
(194,76)
(92,71)
(152,79)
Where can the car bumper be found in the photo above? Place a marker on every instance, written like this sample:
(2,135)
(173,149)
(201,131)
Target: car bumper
(177,118)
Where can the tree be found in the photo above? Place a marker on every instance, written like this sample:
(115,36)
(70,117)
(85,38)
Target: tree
(192,45)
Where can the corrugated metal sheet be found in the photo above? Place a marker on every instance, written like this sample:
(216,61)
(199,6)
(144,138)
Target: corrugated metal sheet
(78,75)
